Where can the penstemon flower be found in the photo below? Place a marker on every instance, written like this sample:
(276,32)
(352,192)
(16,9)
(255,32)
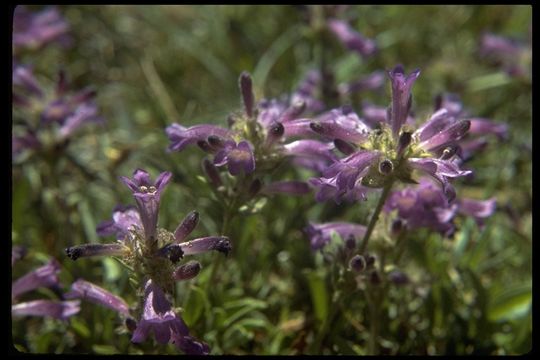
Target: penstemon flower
(152,255)
(476,138)
(425,205)
(44,276)
(48,117)
(381,155)
(35,30)
(257,139)
(512,55)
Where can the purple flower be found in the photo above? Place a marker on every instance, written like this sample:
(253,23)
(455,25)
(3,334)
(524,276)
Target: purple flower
(342,123)
(45,276)
(423,206)
(181,136)
(401,97)
(159,318)
(60,112)
(480,128)
(306,92)
(320,234)
(24,79)
(390,150)
(350,38)
(36,30)
(513,56)
(17,253)
(316,155)
(83,114)
(61,310)
(147,196)
(125,219)
(85,290)
(477,209)
(427,206)
(238,157)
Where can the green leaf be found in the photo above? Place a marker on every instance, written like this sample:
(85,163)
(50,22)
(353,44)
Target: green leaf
(80,327)
(112,269)
(319,293)
(194,305)
(104,349)
(511,304)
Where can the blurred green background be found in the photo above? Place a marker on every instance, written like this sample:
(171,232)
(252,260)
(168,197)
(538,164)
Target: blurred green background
(155,65)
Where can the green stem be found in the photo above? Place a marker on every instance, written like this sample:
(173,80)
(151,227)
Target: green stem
(375,217)
(373,303)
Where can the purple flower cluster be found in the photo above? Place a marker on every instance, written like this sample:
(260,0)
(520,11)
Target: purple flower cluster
(426,206)
(44,276)
(35,30)
(153,255)
(513,56)
(59,113)
(44,117)
(379,153)
(256,137)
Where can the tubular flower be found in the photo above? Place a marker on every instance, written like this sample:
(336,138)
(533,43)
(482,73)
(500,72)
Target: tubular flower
(257,135)
(34,31)
(476,138)
(512,55)
(152,255)
(392,150)
(58,113)
(426,206)
(44,276)
(350,38)
(320,234)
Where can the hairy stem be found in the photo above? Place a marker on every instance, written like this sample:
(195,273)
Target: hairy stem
(375,217)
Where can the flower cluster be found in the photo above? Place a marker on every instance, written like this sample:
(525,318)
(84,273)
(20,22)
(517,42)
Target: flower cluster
(35,30)
(426,206)
(44,276)
(391,150)
(152,254)
(45,117)
(513,56)
(255,142)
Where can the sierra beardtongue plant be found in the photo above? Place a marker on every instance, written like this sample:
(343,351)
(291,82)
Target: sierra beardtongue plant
(151,254)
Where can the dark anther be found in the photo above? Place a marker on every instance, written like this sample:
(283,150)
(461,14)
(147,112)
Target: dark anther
(386,167)
(277,129)
(223,245)
(73,252)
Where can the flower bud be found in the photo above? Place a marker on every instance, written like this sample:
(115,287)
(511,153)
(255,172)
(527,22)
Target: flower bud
(370,260)
(357,263)
(86,250)
(398,278)
(375,278)
(396,227)
(131,324)
(187,271)
(255,187)
(386,167)
(186,226)
(350,242)
(212,173)
(246,88)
